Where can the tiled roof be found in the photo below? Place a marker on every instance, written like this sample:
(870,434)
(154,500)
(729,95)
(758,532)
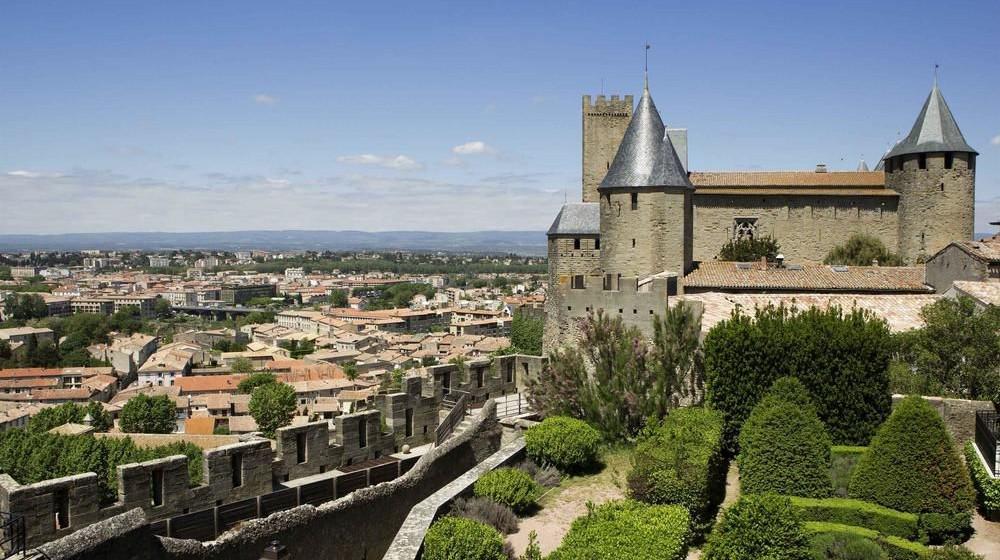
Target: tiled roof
(722,276)
(901,312)
(985,292)
(208,383)
(987,250)
(720,179)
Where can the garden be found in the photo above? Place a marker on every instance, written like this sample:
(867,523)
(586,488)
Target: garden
(640,437)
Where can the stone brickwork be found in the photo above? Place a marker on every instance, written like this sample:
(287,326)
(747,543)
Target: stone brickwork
(806,227)
(604,124)
(936,205)
(954,264)
(360,525)
(162,488)
(650,237)
(634,304)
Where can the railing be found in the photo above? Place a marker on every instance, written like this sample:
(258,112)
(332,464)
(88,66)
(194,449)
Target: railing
(454,417)
(987,434)
(13,539)
(512,405)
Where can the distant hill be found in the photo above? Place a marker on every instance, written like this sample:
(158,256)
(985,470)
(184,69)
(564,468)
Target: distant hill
(520,242)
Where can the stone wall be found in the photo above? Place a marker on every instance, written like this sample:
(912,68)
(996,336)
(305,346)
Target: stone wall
(604,124)
(636,306)
(959,415)
(953,264)
(649,238)
(936,205)
(162,488)
(806,227)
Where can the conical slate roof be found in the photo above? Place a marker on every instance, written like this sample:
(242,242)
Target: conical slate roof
(934,131)
(646,157)
(863,166)
(579,218)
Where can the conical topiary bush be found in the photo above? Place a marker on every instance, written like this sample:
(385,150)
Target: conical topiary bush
(912,464)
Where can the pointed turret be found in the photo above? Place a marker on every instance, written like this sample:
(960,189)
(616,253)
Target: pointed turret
(646,157)
(934,131)
(863,165)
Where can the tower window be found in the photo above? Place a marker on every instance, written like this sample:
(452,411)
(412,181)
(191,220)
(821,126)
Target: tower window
(972,162)
(922,161)
(635,201)
(633,243)
(888,165)
(578,282)
(942,187)
(597,243)
(576,243)
(949,161)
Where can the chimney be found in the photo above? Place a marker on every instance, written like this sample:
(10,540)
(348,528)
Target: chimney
(875,262)
(820,168)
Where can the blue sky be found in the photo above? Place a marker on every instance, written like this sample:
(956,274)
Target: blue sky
(448,116)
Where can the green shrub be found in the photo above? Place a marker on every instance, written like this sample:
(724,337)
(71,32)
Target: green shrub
(939,528)
(565,443)
(843,459)
(510,487)
(758,526)
(896,548)
(952,552)
(845,546)
(682,462)
(912,465)
(842,358)
(627,529)
(784,447)
(485,510)
(862,514)
(987,487)
(456,538)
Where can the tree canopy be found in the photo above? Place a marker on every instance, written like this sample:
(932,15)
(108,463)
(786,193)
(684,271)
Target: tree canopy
(862,250)
(272,405)
(143,414)
(746,249)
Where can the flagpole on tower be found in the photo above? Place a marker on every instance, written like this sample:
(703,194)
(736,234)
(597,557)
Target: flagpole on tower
(645,69)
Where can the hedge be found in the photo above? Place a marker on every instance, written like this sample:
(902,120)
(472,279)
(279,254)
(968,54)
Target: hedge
(844,546)
(842,358)
(513,488)
(457,538)
(681,462)
(987,487)
(563,442)
(862,514)
(939,528)
(758,526)
(30,457)
(784,447)
(912,465)
(627,529)
(897,548)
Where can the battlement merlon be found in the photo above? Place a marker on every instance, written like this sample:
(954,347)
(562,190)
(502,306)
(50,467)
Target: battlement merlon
(612,105)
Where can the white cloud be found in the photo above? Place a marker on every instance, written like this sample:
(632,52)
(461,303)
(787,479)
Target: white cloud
(118,202)
(996,140)
(388,162)
(473,148)
(33,174)
(265,99)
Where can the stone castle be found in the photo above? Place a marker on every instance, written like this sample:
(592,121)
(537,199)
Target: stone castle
(646,220)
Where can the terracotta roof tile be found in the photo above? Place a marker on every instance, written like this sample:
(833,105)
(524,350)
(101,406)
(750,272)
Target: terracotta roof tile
(723,276)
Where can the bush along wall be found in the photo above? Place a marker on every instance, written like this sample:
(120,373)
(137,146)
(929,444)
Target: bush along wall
(987,487)
(841,358)
(563,442)
(682,461)
(784,447)
(912,466)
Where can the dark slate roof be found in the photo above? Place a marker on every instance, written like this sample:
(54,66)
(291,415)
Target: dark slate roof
(578,218)
(646,157)
(934,131)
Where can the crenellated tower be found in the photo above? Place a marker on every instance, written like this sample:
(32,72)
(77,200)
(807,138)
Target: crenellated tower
(934,171)
(604,124)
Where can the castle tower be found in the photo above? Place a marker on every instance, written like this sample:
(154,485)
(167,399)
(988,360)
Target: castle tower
(934,171)
(604,124)
(645,203)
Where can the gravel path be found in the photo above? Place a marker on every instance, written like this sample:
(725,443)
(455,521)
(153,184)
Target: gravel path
(986,540)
